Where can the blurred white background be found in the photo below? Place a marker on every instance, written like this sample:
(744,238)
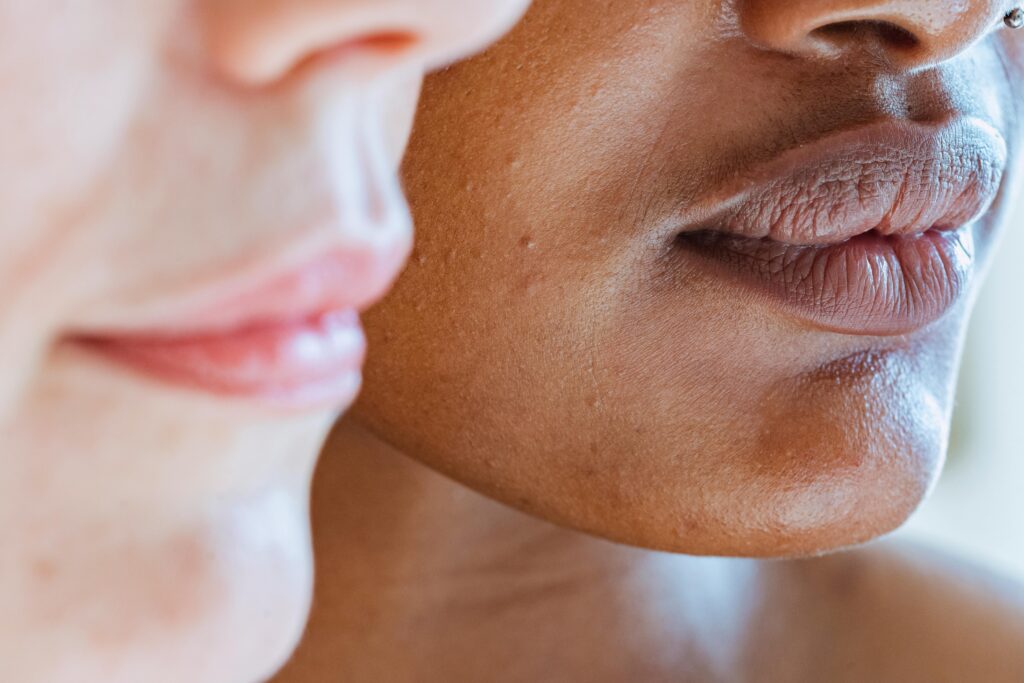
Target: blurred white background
(978,507)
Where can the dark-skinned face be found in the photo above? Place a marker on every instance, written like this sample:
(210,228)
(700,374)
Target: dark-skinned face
(694,275)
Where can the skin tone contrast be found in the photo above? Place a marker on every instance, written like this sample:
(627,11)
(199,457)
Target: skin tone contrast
(200,197)
(693,277)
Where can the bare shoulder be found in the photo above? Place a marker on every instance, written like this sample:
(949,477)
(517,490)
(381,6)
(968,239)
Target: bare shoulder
(898,611)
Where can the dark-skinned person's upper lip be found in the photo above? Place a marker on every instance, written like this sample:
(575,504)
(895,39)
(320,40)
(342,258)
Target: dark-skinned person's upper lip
(866,231)
(891,177)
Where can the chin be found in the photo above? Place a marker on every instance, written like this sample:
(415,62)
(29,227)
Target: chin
(736,513)
(834,459)
(854,493)
(786,513)
(809,461)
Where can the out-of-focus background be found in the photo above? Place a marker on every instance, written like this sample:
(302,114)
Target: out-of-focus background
(978,508)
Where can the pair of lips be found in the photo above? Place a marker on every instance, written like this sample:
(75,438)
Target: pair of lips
(293,341)
(870,231)
(865,232)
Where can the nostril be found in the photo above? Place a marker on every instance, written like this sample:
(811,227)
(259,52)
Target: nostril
(893,36)
(887,35)
(387,42)
(267,52)
(381,45)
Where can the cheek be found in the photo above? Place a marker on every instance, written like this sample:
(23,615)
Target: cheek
(71,75)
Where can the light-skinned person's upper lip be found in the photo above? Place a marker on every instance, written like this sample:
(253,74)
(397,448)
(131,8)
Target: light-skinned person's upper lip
(269,293)
(892,177)
(338,279)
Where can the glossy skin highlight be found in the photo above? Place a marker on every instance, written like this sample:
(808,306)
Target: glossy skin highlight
(165,156)
(552,347)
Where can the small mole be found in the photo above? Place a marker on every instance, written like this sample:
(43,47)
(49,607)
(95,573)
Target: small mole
(44,570)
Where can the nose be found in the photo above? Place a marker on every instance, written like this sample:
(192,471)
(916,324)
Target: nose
(907,34)
(258,42)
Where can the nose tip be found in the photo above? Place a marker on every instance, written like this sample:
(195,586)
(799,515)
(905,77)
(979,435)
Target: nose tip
(908,34)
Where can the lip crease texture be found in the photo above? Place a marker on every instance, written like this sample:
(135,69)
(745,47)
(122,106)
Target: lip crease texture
(869,231)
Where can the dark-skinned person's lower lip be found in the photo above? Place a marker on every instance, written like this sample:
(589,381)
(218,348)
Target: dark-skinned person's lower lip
(868,231)
(872,284)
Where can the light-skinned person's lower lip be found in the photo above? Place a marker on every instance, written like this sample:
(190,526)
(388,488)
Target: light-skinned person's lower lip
(312,363)
(869,285)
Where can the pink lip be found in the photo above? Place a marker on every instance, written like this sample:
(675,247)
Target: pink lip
(292,342)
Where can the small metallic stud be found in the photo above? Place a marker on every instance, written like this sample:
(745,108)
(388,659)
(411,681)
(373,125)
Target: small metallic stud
(1014,18)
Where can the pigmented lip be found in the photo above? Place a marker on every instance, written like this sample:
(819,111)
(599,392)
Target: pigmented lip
(290,341)
(870,231)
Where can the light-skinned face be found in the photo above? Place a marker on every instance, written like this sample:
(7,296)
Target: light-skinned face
(199,199)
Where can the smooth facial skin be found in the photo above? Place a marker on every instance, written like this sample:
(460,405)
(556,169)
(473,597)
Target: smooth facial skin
(560,340)
(169,172)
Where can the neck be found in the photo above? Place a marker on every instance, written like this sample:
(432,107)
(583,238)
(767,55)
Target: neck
(414,569)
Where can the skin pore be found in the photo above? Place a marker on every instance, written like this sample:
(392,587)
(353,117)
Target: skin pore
(553,348)
(161,158)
